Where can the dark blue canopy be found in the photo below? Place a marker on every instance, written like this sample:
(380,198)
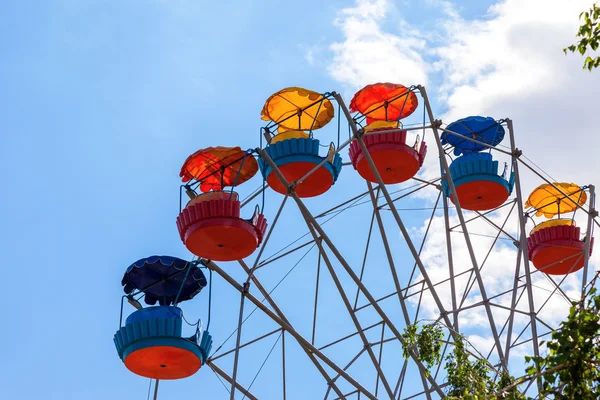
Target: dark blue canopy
(161,277)
(483,129)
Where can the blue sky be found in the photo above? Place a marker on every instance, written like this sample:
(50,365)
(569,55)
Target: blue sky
(101,103)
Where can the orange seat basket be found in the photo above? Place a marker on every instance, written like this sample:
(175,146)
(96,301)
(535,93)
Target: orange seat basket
(557,250)
(315,184)
(163,362)
(481,195)
(395,161)
(214,230)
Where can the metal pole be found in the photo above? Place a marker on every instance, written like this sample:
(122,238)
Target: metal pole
(280,314)
(283,362)
(237,343)
(388,253)
(523,237)
(224,375)
(390,203)
(246,289)
(464,227)
(588,242)
(301,340)
(311,221)
(314,327)
(355,320)
(513,304)
(156,390)
(450,259)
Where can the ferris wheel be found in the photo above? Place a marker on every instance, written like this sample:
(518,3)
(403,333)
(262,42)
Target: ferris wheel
(309,280)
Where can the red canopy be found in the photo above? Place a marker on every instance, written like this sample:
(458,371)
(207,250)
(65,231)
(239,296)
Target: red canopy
(384,102)
(217,167)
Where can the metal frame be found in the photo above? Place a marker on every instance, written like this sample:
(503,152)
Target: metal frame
(349,285)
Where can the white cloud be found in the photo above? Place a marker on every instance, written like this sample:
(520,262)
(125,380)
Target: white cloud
(369,54)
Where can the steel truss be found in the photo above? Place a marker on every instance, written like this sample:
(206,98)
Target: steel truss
(510,313)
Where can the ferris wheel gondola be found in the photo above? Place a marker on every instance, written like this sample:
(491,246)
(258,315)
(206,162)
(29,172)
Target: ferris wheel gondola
(151,343)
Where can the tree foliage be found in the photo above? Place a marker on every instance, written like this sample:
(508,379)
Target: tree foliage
(467,379)
(589,37)
(569,370)
(428,343)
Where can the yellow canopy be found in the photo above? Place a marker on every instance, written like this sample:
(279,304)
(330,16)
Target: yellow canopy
(381,125)
(298,108)
(548,201)
(289,135)
(552,222)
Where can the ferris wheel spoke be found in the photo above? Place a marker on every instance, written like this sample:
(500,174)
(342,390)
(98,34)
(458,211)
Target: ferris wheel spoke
(312,223)
(414,269)
(588,243)
(424,392)
(285,325)
(266,335)
(388,253)
(400,382)
(230,380)
(352,314)
(525,250)
(541,321)
(450,261)
(280,314)
(513,302)
(364,262)
(501,229)
(348,365)
(450,181)
(386,194)
(470,282)
(480,214)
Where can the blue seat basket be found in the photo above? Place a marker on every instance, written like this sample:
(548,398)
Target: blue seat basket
(476,167)
(298,150)
(158,326)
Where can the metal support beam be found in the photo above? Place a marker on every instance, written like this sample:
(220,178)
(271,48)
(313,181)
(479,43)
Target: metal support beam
(450,259)
(243,293)
(355,320)
(301,340)
(588,241)
(390,258)
(280,314)
(311,221)
(523,237)
(225,376)
(403,229)
(461,218)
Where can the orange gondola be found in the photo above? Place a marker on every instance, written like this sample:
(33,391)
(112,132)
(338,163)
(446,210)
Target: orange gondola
(210,225)
(555,246)
(394,159)
(384,104)
(293,150)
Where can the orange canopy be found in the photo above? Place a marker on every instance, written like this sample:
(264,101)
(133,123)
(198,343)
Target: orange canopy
(548,201)
(216,167)
(298,109)
(384,102)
